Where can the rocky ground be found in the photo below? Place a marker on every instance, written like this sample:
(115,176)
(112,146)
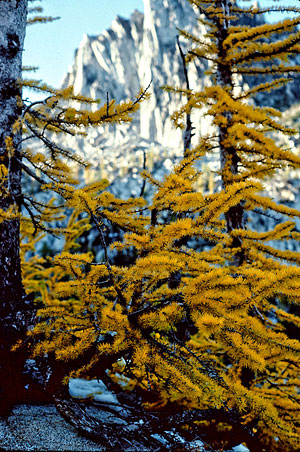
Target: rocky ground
(41,428)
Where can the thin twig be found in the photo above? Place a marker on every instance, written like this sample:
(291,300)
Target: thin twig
(31,173)
(202,56)
(37,225)
(32,104)
(107,261)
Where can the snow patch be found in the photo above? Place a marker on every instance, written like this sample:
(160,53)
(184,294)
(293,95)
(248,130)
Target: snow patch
(95,389)
(240,448)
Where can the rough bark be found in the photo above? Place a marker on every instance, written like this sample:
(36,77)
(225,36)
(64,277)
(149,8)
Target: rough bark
(228,155)
(14,306)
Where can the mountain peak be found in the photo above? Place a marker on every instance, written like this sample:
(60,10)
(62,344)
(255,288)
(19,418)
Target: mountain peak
(131,53)
(126,57)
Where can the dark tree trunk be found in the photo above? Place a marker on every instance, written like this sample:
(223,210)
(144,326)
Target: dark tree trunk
(15,308)
(228,155)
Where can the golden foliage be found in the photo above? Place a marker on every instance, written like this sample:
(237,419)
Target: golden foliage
(183,320)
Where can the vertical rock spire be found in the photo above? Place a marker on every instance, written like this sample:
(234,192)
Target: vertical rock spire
(127,56)
(132,53)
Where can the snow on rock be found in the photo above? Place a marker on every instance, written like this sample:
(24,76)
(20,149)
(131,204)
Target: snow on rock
(95,389)
(240,448)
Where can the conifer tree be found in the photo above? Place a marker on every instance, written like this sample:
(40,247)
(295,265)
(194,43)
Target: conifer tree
(22,122)
(12,296)
(199,332)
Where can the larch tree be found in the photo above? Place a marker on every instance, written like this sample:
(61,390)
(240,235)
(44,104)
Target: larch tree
(13,301)
(199,333)
(21,124)
(187,337)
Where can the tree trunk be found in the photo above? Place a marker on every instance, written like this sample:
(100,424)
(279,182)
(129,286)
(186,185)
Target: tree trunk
(14,307)
(228,155)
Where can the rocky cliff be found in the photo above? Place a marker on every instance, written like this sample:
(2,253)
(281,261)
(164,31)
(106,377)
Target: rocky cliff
(130,55)
(127,56)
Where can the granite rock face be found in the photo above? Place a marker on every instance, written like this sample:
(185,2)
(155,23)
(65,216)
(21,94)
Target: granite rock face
(117,63)
(128,56)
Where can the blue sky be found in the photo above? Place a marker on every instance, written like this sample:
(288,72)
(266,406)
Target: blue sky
(51,46)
